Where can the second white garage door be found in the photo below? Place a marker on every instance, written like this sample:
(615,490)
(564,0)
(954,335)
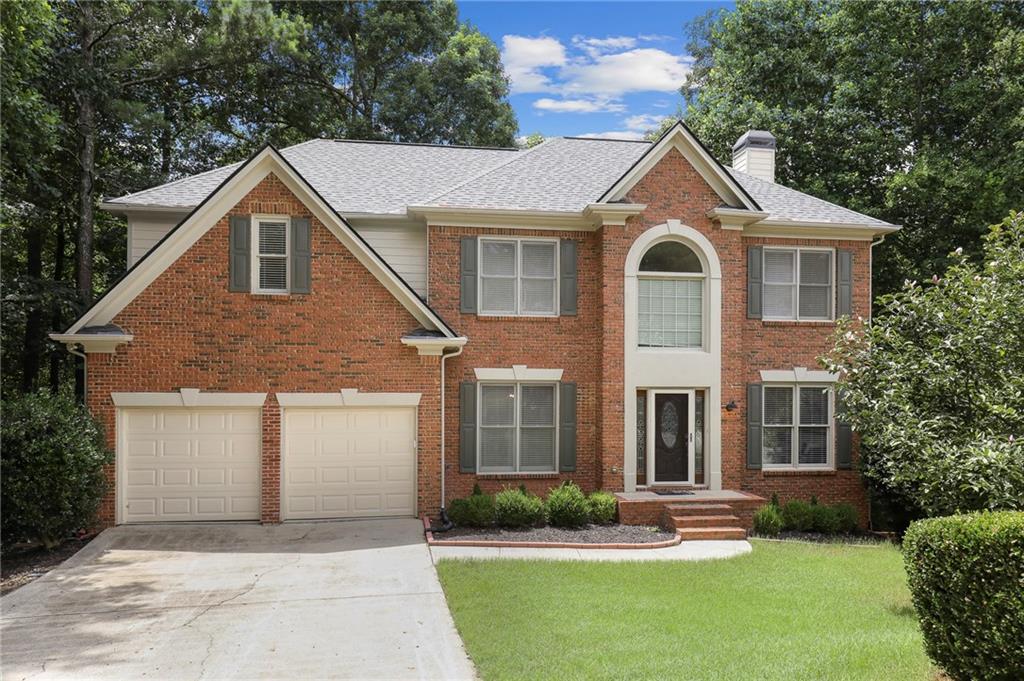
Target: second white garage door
(349,462)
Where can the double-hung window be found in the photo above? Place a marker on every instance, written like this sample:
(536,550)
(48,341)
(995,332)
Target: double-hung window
(270,255)
(517,431)
(798,283)
(519,277)
(797,431)
(670,305)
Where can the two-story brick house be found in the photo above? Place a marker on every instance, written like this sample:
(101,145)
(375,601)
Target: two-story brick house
(310,333)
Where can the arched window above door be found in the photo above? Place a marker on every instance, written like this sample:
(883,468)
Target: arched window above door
(671,297)
(671,256)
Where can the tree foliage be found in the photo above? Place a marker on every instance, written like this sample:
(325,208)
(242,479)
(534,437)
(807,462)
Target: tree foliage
(911,111)
(934,384)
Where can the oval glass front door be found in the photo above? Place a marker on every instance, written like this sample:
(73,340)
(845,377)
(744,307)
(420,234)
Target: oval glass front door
(669,424)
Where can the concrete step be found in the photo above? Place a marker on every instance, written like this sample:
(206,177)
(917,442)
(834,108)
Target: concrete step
(711,533)
(698,509)
(680,521)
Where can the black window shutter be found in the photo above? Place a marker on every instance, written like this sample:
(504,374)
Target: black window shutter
(754,425)
(755,278)
(467,275)
(844,305)
(844,439)
(301,255)
(467,427)
(239,252)
(567,272)
(567,427)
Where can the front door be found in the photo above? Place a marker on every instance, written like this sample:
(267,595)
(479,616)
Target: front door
(671,437)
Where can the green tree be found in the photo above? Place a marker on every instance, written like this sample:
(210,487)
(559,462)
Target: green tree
(934,384)
(912,111)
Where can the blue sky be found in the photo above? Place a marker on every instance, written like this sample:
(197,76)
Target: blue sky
(610,69)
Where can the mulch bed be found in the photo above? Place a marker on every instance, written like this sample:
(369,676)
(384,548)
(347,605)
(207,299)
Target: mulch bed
(588,534)
(18,567)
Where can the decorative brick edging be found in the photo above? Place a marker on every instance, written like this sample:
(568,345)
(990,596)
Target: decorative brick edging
(540,545)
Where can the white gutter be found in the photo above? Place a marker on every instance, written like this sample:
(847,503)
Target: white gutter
(444,356)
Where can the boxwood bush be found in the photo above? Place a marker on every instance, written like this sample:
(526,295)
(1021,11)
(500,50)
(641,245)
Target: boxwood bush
(603,508)
(797,516)
(567,506)
(52,456)
(476,510)
(966,575)
(768,521)
(516,508)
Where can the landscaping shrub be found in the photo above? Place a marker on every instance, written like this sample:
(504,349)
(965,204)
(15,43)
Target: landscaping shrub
(846,516)
(824,519)
(515,508)
(476,510)
(797,516)
(567,506)
(603,507)
(966,575)
(768,521)
(52,456)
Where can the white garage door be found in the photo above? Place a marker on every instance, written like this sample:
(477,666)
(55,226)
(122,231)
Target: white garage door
(349,462)
(191,464)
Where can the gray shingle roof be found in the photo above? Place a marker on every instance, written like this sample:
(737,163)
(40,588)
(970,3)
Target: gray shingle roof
(562,174)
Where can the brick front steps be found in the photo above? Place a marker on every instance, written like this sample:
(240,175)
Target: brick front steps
(703,515)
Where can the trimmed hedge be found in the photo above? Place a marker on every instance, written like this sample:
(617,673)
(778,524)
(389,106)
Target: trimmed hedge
(767,521)
(966,575)
(516,508)
(567,506)
(603,508)
(476,510)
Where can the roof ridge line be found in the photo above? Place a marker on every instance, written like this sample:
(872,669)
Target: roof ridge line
(419,144)
(605,139)
(488,171)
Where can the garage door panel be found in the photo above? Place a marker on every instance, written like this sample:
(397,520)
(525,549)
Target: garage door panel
(363,462)
(191,464)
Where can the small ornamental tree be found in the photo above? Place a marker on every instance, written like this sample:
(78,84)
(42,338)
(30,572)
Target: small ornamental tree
(52,456)
(934,384)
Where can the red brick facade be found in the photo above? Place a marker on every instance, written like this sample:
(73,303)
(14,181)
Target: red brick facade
(190,331)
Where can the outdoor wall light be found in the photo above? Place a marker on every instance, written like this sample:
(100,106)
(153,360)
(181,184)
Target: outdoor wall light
(731,406)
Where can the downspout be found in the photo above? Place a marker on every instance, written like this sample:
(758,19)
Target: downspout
(871,308)
(446,524)
(85,370)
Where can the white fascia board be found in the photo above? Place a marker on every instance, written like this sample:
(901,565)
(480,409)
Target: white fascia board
(189,397)
(614,214)
(797,375)
(503,218)
(96,343)
(348,397)
(233,190)
(735,218)
(137,208)
(433,346)
(681,139)
(841,231)
(518,372)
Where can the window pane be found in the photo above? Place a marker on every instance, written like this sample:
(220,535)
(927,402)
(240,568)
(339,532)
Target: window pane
(499,295)
(497,405)
(813,446)
(815,302)
(538,405)
(538,259)
(537,449)
(273,274)
(497,449)
(670,256)
(273,238)
(778,406)
(777,446)
(779,267)
(538,295)
(814,406)
(815,267)
(670,313)
(498,257)
(778,300)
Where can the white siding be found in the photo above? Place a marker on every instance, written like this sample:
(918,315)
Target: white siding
(404,247)
(144,233)
(757,162)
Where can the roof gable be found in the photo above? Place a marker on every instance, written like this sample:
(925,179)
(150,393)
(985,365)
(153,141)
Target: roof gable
(682,139)
(230,191)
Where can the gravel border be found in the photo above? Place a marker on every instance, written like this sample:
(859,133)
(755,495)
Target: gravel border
(24,566)
(588,534)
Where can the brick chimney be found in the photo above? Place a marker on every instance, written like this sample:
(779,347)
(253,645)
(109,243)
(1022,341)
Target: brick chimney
(754,154)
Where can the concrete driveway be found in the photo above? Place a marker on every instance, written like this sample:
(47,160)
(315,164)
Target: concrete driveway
(309,601)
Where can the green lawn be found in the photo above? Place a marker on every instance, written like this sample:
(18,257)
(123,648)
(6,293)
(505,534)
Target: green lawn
(787,611)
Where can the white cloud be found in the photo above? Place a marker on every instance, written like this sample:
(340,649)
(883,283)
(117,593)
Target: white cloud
(614,135)
(596,46)
(639,70)
(524,57)
(578,105)
(643,122)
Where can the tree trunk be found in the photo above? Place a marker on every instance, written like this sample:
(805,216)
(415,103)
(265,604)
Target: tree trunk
(166,139)
(32,346)
(86,152)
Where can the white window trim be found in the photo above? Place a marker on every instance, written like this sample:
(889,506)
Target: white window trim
(518,276)
(517,374)
(796,283)
(254,240)
(794,459)
(515,427)
(702,276)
